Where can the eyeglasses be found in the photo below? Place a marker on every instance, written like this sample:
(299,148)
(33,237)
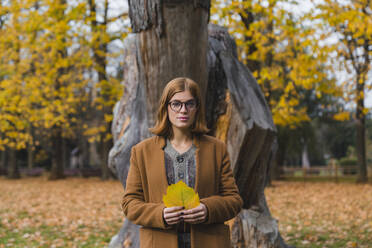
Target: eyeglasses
(177,105)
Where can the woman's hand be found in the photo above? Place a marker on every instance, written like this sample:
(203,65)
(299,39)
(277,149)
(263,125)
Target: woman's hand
(172,215)
(195,215)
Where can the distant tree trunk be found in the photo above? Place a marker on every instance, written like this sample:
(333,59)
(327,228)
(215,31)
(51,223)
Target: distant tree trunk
(94,155)
(100,60)
(13,171)
(305,156)
(30,147)
(65,153)
(30,156)
(3,160)
(57,170)
(84,153)
(105,149)
(360,133)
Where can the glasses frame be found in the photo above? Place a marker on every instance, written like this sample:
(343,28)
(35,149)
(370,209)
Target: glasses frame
(183,104)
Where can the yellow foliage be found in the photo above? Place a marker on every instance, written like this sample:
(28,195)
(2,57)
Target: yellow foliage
(45,57)
(281,52)
(180,194)
(352,25)
(342,116)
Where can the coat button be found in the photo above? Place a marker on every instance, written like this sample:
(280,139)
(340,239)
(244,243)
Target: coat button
(179,159)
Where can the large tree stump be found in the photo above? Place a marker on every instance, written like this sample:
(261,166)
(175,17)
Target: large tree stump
(173,40)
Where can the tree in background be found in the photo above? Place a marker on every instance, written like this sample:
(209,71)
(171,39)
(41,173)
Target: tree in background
(107,89)
(277,46)
(58,82)
(50,55)
(14,108)
(349,24)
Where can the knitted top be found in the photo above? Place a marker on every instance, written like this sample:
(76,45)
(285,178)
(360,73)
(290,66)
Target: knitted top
(180,166)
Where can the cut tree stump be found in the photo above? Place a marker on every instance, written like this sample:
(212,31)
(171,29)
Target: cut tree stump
(174,39)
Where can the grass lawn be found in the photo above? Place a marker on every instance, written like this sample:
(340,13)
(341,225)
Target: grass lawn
(73,212)
(78,212)
(323,214)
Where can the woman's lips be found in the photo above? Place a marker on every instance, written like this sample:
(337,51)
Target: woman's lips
(183,118)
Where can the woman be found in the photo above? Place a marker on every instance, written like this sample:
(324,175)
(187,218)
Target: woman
(181,151)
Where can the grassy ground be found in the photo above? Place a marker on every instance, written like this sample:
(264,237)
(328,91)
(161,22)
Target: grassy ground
(76,212)
(323,214)
(66,213)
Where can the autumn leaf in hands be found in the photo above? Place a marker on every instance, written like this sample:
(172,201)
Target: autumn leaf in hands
(180,194)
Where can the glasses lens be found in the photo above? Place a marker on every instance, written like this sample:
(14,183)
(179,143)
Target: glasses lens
(176,105)
(190,104)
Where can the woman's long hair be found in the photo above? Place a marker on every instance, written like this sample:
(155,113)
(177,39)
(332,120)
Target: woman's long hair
(163,126)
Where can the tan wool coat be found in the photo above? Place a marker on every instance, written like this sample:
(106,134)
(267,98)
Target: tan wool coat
(147,183)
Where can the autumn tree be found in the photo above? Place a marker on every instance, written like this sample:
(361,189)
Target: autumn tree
(106,89)
(277,46)
(349,24)
(56,88)
(14,108)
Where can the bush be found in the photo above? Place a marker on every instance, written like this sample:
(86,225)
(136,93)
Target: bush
(348,161)
(349,165)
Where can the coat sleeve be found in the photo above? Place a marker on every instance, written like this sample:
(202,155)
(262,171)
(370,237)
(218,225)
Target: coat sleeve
(134,206)
(228,203)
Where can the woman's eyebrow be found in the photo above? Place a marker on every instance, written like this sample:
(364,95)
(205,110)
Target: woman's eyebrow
(191,99)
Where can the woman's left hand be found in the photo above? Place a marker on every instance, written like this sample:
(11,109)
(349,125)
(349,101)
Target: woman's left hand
(195,215)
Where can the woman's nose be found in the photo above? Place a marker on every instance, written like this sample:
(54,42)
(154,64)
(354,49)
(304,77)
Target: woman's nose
(183,108)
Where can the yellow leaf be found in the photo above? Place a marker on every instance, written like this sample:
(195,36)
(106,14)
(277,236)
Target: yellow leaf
(343,116)
(180,194)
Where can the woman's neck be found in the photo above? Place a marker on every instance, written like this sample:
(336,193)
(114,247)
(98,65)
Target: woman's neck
(181,137)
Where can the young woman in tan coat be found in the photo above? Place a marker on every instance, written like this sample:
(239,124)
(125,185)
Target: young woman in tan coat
(180,150)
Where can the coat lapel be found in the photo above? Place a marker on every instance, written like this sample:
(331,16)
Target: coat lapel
(157,170)
(196,141)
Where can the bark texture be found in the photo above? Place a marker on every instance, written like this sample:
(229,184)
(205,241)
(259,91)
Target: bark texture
(57,170)
(13,170)
(360,134)
(237,112)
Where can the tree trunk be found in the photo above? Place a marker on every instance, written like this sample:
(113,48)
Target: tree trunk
(305,156)
(94,157)
(360,134)
(30,156)
(65,154)
(84,153)
(3,161)
(174,44)
(30,150)
(57,170)
(100,60)
(173,41)
(13,171)
(105,149)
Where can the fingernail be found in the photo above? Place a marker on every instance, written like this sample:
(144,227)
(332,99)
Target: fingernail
(182,213)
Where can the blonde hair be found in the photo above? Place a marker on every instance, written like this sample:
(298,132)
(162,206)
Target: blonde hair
(163,127)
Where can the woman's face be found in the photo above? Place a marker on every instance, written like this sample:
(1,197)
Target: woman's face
(181,110)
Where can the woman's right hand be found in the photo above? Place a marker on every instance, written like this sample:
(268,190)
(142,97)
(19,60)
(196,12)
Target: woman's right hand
(172,215)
